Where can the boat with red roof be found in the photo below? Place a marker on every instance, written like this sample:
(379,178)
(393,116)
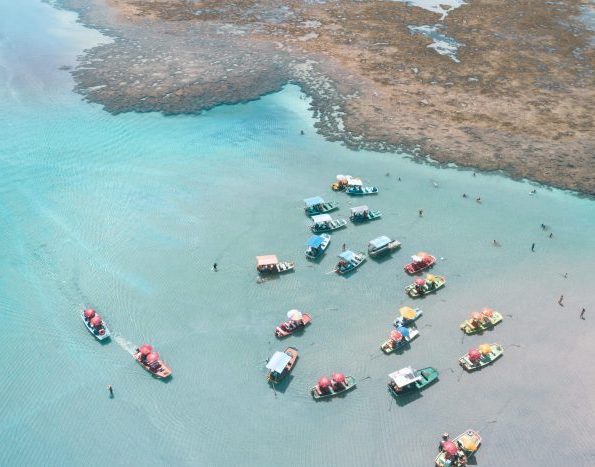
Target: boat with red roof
(421,261)
(95,324)
(150,361)
(296,321)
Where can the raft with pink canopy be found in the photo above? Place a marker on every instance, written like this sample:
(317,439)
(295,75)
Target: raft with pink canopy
(482,356)
(326,387)
(399,338)
(456,452)
(481,321)
(150,360)
(95,324)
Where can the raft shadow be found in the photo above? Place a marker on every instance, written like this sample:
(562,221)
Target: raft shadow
(282,386)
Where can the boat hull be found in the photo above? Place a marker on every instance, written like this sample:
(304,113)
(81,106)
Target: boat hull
(366,190)
(400,321)
(392,246)
(91,329)
(163,372)
(413,293)
(470,435)
(414,268)
(293,353)
(324,209)
(306,320)
(279,268)
(329,227)
(468,328)
(372,215)
(322,250)
(429,376)
(341,270)
(388,348)
(350,384)
(485,360)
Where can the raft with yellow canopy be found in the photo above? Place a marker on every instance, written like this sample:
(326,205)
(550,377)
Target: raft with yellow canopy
(484,355)
(421,287)
(407,316)
(456,452)
(480,321)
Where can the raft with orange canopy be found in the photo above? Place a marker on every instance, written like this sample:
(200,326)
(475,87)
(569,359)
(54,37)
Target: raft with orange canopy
(456,452)
(480,321)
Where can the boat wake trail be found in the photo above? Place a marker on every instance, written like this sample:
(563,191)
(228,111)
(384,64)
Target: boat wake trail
(125,344)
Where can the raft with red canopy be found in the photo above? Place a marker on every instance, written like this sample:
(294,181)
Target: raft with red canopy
(484,355)
(338,384)
(151,361)
(420,261)
(95,324)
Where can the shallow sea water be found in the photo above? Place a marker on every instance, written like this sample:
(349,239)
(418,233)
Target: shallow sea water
(127,214)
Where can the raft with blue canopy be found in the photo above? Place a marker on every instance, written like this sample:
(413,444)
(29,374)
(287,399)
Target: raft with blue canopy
(317,245)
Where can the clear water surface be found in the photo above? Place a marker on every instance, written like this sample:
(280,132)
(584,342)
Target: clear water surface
(127,213)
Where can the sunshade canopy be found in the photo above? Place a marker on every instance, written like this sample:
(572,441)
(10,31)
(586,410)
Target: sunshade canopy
(450,448)
(485,349)
(315,200)
(347,255)
(407,312)
(404,331)
(266,260)
(278,362)
(315,241)
(404,376)
(381,241)
(354,182)
(359,209)
(321,218)
(469,444)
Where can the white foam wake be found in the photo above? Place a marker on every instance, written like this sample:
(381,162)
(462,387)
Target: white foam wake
(125,344)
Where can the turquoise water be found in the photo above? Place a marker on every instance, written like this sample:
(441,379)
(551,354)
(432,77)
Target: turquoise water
(127,214)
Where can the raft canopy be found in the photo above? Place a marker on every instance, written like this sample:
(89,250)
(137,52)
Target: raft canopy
(314,241)
(314,201)
(380,242)
(359,209)
(278,362)
(404,376)
(347,255)
(354,182)
(266,260)
(322,218)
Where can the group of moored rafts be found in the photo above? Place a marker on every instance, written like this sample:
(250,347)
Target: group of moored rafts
(407,379)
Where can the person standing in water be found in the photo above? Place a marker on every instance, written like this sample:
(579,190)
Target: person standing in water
(533,247)
(215,267)
(111,390)
(583,313)
(560,300)
(421,213)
